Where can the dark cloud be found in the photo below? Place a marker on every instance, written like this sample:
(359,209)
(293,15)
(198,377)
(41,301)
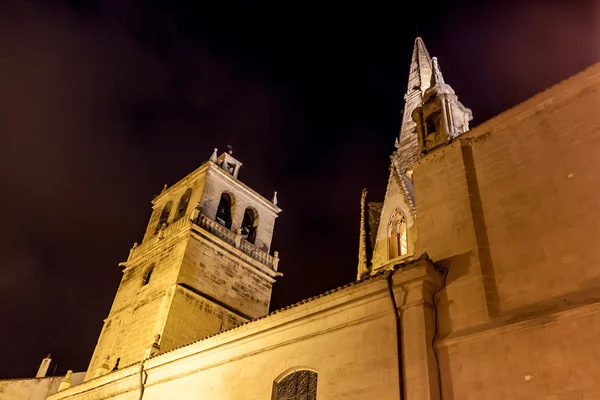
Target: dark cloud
(102,102)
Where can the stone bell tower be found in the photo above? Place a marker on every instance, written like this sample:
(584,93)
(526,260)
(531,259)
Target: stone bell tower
(203,266)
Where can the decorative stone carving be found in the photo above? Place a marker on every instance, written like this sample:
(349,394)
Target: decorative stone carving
(442,117)
(104,368)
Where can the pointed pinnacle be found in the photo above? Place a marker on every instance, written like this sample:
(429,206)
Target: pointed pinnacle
(436,76)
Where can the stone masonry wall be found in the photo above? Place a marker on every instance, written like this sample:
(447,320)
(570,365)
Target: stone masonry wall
(539,184)
(447,233)
(347,337)
(192,317)
(551,358)
(512,210)
(213,272)
(139,311)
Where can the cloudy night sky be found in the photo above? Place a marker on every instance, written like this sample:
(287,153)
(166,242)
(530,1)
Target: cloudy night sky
(103,102)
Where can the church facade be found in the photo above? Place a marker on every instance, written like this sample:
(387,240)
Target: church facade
(478,275)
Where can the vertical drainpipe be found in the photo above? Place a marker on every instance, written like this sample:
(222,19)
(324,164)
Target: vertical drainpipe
(390,285)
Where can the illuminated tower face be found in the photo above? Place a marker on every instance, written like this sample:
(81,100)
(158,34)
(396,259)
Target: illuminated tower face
(202,267)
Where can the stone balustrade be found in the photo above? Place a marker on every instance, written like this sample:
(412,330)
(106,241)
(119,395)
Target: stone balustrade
(236,240)
(216,229)
(213,227)
(153,241)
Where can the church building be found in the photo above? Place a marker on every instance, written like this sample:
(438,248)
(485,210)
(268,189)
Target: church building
(478,274)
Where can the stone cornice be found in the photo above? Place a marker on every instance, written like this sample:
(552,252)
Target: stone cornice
(500,327)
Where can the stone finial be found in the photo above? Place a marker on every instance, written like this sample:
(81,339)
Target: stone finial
(275,260)
(66,382)
(44,366)
(135,245)
(230,149)
(238,238)
(103,368)
(436,76)
(164,189)
(274,200)
(213,157)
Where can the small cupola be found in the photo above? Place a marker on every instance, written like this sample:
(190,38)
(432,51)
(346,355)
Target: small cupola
(226,161)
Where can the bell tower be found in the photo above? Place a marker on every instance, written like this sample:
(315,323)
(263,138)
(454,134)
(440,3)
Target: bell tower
(203,266)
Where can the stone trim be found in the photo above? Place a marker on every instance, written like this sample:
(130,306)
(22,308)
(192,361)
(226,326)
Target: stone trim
(489,330)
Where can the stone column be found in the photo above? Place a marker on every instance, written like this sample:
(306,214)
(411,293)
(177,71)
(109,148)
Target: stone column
(414,287)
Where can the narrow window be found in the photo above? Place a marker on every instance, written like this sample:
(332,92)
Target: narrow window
(183,204)
(249,224)
(223,216)
(299,385)
(398,245)
(147,275)
(164,217)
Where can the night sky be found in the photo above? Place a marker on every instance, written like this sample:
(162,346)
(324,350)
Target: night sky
(103,102)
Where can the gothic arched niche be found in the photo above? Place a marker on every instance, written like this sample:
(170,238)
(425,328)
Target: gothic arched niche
(299,385)
(397,238)
(184,200)
(163,220)
(249,224)
(224,208)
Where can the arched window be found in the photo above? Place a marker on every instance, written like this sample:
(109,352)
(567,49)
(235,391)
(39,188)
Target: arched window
(249,224)
(299,385)
(147,275)
(164,216)
(184,200)
(223,216)
(398,245)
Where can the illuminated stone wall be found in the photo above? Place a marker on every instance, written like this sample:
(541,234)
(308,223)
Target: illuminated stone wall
(348,337)
(511,210)
(34,388)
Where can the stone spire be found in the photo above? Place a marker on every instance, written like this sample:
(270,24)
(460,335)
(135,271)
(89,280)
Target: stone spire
(419,79)
(441,117)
